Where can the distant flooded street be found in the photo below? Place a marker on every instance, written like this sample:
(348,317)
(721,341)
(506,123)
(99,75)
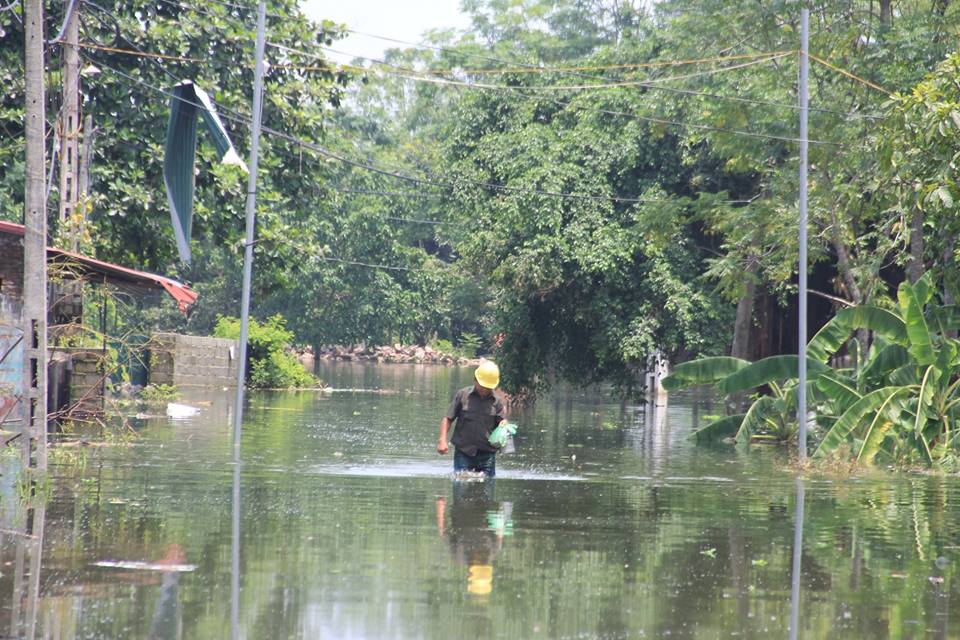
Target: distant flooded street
(607,522)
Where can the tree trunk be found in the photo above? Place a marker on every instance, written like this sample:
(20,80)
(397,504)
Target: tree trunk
(845,268)
(743,325)
(844,265)
(885,12)
(915,268)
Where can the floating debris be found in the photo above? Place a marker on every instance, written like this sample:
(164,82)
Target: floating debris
(145,566)
(175,410)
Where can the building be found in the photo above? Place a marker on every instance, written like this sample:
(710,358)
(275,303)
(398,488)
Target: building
(76,374)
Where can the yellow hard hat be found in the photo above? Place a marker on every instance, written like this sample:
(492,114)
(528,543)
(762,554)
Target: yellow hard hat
(488,374)
(480,579)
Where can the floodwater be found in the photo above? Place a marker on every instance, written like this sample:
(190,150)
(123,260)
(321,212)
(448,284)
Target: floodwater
(606,523)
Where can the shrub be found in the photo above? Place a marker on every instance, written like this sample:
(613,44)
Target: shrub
(270,364)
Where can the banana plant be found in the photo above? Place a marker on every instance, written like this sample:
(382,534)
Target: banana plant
(901,403)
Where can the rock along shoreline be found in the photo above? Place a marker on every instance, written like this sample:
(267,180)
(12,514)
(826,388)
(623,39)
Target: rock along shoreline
(395,354)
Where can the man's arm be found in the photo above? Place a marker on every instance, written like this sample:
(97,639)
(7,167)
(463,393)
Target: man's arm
(442,446)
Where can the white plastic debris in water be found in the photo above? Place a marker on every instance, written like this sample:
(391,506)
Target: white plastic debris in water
(145,566)
(175,410)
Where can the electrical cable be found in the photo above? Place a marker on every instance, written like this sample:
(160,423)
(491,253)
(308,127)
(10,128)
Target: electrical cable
(580,87)
(316,255)
(663,121)
(848,74)
(229,114)
(651,86)
(66,20)
(138,53)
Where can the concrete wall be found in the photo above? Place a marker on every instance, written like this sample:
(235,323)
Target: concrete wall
(76,379)
(193,361)
(11,303)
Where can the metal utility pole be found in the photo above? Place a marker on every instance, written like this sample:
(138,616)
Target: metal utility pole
(251,220)
(70,119)
(34,245)
(245,319)
(802,329)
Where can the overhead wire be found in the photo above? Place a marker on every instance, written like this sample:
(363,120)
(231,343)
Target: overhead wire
(582,87)
(849,74)
(325,152)
(446,183)
(652,85)
(138,53)
(542,69)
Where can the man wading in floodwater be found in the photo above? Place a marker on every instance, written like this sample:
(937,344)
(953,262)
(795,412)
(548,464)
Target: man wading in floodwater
(478,412)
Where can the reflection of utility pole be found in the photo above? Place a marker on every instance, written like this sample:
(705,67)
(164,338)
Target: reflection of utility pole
(34,243)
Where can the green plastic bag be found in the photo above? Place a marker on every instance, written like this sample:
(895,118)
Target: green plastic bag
(502,434)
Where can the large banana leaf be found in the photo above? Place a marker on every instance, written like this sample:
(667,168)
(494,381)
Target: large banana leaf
(918,333)
(830,338)
(718,429)
(840,392)
(904,376)
(923,289)
(874,402)
(837,331)
(925,397)
(885,360)
(755,418)
(945,318)
(882,321)
(702,371)
(874,438)
(768,370)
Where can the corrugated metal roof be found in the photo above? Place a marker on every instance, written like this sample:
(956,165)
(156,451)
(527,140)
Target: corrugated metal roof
(184,295)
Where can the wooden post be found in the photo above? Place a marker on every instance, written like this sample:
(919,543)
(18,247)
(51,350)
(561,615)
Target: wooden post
(34,245)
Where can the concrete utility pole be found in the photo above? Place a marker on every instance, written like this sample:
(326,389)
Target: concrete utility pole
(84,189)
(802,329)
(70,121)
(34,245)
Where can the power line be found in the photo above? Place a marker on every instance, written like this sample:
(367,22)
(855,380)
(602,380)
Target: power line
(464,54)
(652,119)
(579,87)
(649,84)
(418,220)
(138,53)
(243,119)
(317,255)
(849,74)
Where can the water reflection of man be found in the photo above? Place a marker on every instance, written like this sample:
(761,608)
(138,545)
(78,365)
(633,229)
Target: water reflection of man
(478,411)
(475,530)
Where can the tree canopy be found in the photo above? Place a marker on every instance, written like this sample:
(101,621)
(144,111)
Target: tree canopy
(582,184)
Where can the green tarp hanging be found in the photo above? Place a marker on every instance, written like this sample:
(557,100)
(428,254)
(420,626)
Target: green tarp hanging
(180,154)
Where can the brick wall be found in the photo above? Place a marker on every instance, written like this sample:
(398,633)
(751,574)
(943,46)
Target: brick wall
(193,361)
(80,369)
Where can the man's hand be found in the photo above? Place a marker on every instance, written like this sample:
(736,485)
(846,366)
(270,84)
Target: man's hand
(442,447)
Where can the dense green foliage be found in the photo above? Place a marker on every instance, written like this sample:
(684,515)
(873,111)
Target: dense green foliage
(580,205)
(900,404)
(271,365)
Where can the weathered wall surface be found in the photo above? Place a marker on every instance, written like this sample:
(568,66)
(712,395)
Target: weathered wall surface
(193,361)
(76,379)
(11,347)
